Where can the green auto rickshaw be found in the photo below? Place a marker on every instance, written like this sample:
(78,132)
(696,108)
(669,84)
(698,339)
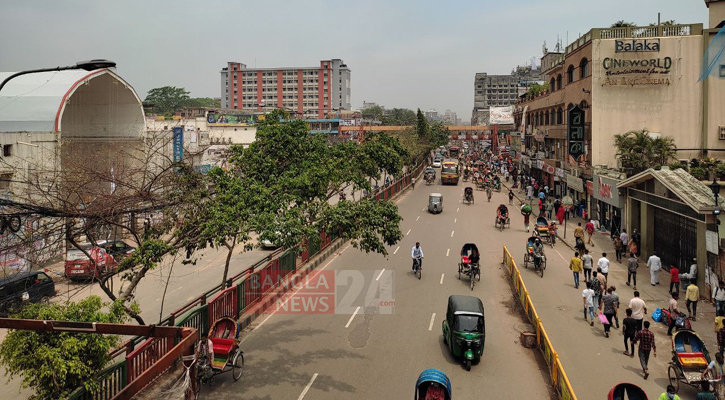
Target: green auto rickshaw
(464,328)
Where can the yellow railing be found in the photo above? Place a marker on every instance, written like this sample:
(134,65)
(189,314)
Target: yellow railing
(558,376)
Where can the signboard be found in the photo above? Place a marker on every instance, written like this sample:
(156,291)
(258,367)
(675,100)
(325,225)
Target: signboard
(605,189)
(575,183)
(539,135)
(560,173)
(590,187)
(215,119)
(501,115)
(549,169)
(575,132)
(462,137)
(178,143)
(636,45)
(474,137)
(711,242)
(539,164)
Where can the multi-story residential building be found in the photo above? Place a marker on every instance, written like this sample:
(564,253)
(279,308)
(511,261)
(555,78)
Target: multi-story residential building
(367,105)
(432,115)
(450,117)
(309,91)
(499,91)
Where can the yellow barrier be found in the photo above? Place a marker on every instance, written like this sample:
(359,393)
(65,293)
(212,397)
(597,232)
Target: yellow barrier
(558,376)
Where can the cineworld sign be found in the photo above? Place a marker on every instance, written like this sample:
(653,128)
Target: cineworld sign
(635,45)
(664,63)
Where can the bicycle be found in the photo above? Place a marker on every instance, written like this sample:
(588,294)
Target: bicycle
(417,267)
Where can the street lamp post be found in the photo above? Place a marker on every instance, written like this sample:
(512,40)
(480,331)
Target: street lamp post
(715,187)
(90,65)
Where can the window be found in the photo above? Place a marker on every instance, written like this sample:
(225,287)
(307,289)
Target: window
(570,74)
(552,84)
(584,68)
(5,181)
(546,118)
(559,116)
(558,82)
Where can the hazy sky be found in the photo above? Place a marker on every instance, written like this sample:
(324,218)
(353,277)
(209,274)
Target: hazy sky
(413,54)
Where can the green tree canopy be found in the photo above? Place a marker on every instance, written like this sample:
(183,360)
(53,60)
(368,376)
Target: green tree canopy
(168,99)
(207,102)
(399,116)
(421,125)
(638,151)
(622,24)
(374,113)
(53,364)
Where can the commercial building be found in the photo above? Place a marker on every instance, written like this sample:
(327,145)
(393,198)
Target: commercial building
(499,91)
(306,91)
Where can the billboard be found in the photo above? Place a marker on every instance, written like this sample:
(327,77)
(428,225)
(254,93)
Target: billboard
(178,143)
(501,115)
(227,119)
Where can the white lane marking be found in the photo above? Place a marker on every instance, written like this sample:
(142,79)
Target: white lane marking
(442,275)
(309,385)
(396,250)
(423,208)
(452,232)
(457,209)
(291,296)
(381,274)
(417,218)
(455,220)
(352,317)
(448,252)
(408,233)
(562,257)
(432,319)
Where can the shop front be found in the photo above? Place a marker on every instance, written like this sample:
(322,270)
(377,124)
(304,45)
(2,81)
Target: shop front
(608,205)
(575,186)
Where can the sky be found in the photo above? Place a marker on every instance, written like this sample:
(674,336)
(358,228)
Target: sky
(402,53)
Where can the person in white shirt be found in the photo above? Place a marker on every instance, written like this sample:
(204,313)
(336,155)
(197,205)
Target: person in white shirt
(625,238)
(417,253)
(639,309)
(603,263)
(719,295)
(655,265)
(687,277)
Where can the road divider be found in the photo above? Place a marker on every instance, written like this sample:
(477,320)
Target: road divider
(558,377)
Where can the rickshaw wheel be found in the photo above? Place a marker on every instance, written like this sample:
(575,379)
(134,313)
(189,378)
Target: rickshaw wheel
(468,365)
(473,281)
(542,267)
(673,377)
(238,365)
(478,277)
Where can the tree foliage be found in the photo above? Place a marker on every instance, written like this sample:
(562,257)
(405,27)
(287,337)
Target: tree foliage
(622,24)
(207,102)
(421,125)
(168,99)
(53,364)
(374,113)
(536,88)
(638,151)
(399,116)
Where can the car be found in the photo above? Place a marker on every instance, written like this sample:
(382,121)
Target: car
(436,163)
(118,249)
(79,267)
(24,287)
(268,244)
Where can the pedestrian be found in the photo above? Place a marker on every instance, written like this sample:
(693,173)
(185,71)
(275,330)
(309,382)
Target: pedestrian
(575,265)
(526,221)
(618,248)
(674,312)
(629,329)
(529,193)
(588,300)
(597,288)
(579,231)
(549,209)
(609,308)
(692,295)
(602,280)
(670,394)
(632,266)
(674,279)
(646,340)
(511,197)
(719,295)
(690,276)
(654,264)
(721,340)
(636,239)
(560,215)
(704,393)
(616,314)
(590,230)
(603,264)
(588,262)
(624,238)
(639,309)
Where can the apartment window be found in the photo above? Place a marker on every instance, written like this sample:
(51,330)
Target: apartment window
(570,74)
(558,82)
(552,84)
(584,68)
(7,150)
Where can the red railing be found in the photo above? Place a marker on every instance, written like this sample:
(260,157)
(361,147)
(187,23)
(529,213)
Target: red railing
(223,304)
(146,355)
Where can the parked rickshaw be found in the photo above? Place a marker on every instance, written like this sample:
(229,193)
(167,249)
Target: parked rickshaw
(435,203)
(470,263)
(627,391)
(219,352)
(542,230)
(530,259)
(468,195)
(502,218)
(464,328)
(433,384)
(690,359)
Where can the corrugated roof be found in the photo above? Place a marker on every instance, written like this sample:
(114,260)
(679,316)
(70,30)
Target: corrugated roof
(686,187)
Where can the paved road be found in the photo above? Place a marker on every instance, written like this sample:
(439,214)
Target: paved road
(380,356)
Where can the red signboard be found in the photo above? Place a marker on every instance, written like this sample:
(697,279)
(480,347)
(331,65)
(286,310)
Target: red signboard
(590,187)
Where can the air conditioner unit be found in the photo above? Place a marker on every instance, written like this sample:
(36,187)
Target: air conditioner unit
(721,130)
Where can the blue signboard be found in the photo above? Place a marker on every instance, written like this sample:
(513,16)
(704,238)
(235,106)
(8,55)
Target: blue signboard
(178,143)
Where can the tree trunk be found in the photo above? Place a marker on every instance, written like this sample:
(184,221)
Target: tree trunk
(230,251)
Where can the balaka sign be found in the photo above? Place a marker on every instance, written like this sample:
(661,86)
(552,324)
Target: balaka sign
(635,45)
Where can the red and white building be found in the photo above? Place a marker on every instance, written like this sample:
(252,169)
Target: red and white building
(310,92)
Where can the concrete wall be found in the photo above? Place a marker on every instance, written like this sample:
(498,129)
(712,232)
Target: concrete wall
(672,109)
(714,95)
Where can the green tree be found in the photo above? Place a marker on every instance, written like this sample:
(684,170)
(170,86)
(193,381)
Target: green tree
(438,134)
(399,116)
(622,24)
(374,113)
(421,125)
(535,89)
(168,99)
(638,151)
(207,102)
(53,364)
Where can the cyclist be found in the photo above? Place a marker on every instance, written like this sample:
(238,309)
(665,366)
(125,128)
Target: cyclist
(417,254)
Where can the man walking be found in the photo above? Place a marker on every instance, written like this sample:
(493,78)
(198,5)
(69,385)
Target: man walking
(575,265)
(579,232)
(654,264)
(632,266)
(639,309)
(609,308)
(629,329)
(693,295)
(647,343)
(590,231)
(719,295)
(674,312)
(597,288)
(674,279)
(624,238)
(588,300)
(721,340)
(603,264)
(588,262)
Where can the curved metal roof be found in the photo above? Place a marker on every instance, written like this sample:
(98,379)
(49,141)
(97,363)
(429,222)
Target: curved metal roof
(35,102)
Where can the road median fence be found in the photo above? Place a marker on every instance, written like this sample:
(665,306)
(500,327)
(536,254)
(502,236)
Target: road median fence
(234,299)
(558,377)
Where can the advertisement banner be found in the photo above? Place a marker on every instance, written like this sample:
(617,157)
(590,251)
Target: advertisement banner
(560,173)
(575,132)
(575,183)
(501,115)
(605,189)
(214,119)
(178,143)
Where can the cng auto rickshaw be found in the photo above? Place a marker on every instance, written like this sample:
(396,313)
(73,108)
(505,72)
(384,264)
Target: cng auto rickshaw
(433,384)
(464,328)
(435,203)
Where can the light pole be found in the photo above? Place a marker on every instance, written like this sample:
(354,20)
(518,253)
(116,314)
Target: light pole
(715,187)
(90,65)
